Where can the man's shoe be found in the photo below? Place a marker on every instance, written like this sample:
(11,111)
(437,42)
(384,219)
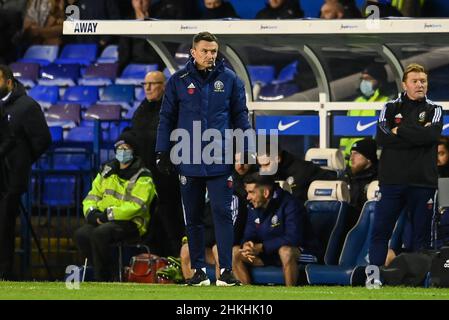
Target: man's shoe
(227,279)
(199,279)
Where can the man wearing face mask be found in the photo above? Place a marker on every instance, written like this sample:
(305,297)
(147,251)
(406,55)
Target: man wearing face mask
(372,86)
(117,208)
(24,137)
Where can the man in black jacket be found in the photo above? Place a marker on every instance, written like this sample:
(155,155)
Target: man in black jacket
(24,138)
(281,9)
(360,174)
(408,130)
(167,225)
(297,173)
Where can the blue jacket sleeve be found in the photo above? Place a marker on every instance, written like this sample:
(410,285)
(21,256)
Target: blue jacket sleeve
(168,116)
(292,229)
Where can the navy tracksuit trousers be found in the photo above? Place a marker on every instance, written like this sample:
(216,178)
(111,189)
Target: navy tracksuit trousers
(220,189)
(419,203)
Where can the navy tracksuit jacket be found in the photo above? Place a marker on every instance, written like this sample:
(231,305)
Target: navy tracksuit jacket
(216,102)
(407,172)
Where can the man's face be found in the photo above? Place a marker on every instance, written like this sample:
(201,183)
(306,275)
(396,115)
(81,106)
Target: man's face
(154,85)
(239,166)
(330,11)
(443,155)
(255,195)
(205,53)
(358,162)
(275,3)
(268,164)
(415,85)
(212,4)
(5,86)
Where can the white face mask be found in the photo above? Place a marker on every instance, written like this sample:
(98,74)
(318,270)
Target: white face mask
(367,88)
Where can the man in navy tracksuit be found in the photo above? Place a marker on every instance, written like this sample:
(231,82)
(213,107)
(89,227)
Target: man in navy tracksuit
(208,94)
(276,228)
(408,131)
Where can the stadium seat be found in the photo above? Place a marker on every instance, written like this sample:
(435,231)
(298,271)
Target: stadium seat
(59,75)
(102,74)
(327,158)
(327,209)
(83,54)
(135,73)
(117,94)
(103,112)
(83,95)
(42,55)
(274,92)
(109,54)
(56,134)
(26,73)
(45,95)
(128,114)
(262,74)
(355,249)
(64,112)
(59,191)
(287,73)
(81,134)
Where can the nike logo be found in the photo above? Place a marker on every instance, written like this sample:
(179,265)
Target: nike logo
(283,127)
(445,126)
(362,127)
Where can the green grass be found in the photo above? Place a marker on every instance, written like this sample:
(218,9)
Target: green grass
(121,291)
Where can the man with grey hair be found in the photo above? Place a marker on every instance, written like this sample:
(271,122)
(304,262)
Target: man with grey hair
(166,226)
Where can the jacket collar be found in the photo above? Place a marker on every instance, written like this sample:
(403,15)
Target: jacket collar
(191,68)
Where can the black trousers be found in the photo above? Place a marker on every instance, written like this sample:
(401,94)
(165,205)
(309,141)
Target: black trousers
(95,243)
(9,211)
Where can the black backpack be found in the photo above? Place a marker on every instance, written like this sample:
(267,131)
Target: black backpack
(439,270)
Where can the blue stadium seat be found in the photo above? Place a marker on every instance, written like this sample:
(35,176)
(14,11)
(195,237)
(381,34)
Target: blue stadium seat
(288,73)
(273,92)
(117,94)
(59,191)
(26,73)
(128,114)
(42,55)
(139,93)
(56,134)
(68,112)
(135,73)
(81,134)
(327,209)
(83,95)
(262,74)
(45,95)
(83,54)
(102,74)
(59,74)
(109,54)
(103,112)
(355,249)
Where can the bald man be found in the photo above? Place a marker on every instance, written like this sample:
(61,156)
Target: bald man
(332,10)
(167,225)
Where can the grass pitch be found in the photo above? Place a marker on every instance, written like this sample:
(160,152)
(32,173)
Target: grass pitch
(128,291)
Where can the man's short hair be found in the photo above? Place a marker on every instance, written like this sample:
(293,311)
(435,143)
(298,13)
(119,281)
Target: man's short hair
(259,180)
(413,67)
(206,36)
(444,141)
(6,72)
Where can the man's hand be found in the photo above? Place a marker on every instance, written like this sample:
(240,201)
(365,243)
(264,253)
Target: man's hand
(163,163)
(395,130)
(250,250)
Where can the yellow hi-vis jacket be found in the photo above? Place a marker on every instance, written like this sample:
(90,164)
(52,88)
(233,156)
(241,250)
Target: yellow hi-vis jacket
(127,200)
(347,142)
